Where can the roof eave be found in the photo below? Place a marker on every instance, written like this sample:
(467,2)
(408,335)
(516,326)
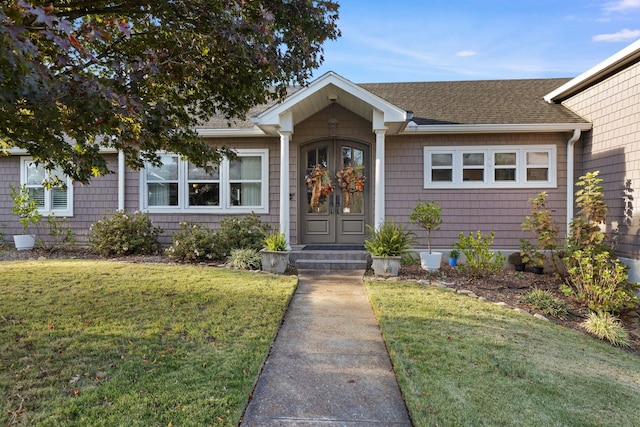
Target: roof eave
(596,73)
(495,128)
(231,132)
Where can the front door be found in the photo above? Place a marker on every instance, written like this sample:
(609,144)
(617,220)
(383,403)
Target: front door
(335,184)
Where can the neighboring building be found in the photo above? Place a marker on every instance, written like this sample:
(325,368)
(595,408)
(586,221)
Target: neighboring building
(480,148)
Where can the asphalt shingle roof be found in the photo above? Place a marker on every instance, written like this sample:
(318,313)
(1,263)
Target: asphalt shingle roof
(477,102)
(459,102)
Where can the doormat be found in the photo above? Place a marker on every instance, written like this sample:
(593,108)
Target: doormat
(333,248)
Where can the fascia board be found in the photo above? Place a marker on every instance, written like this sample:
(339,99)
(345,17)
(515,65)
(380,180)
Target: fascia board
(230,133)
(497,128)
(271,116)
(595,73)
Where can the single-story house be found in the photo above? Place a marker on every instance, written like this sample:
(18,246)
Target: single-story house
(479,148)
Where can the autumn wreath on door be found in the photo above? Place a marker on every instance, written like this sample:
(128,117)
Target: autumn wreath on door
(351,180)
(320,183)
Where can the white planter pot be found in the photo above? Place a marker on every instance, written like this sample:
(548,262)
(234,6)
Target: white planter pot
(274,261)
(24,242)
(430,261)
(385,266)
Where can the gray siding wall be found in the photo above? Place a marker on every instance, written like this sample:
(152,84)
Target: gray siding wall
(498,210)
(501,211)
(613,148)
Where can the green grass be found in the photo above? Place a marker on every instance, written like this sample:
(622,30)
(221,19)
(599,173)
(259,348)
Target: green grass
(107,344)
(464,362)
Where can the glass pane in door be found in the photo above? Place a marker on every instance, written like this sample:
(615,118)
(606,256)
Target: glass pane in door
(351,180)
(318,181)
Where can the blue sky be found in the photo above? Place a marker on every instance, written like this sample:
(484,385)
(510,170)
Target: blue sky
(435,40)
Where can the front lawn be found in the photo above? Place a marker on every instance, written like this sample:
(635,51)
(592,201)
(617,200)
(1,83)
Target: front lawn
(460,361)
(112,343)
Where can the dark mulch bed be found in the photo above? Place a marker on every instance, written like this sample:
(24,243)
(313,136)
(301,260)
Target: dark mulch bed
(507,287)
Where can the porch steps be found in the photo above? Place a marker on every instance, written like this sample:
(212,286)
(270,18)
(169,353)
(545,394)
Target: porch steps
(329,259)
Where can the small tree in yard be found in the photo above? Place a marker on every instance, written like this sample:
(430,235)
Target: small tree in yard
(427,214)
(541,224)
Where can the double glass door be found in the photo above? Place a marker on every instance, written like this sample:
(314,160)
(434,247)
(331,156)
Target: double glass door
(335,187)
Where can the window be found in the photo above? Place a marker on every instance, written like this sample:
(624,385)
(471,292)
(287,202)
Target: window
(56,201)
(237,186)
(490,167)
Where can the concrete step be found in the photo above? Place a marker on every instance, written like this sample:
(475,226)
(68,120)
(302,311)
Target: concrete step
(329,259)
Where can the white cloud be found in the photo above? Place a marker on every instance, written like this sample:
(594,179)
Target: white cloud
(622,5)
(466,53)
(621,35)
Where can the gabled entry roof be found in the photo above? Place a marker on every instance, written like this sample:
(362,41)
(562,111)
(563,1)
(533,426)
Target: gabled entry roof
(328,89)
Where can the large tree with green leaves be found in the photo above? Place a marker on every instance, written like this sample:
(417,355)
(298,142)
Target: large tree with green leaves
(138,75)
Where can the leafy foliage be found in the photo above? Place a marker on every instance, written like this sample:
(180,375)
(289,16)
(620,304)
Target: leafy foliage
(541,224)
(477,250)
(606,327)
(585,228)
(239,232)
(193,243)
(601,281)
(124,234)
(140,76)
(594,274)
(25,206)
(390,239)
(244,259)
(275,241)
(546,303)
(59,234)
(428,215)
(196,242)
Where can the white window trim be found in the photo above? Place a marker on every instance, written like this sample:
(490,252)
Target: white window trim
(225,206)
(489,177)
(24,161)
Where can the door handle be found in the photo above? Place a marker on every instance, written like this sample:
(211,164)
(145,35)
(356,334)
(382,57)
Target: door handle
(337,204)
(331,204)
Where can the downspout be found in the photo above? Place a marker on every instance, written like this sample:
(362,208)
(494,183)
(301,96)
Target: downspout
(570,175)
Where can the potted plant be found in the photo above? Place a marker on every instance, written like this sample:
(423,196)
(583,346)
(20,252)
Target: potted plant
(519,259)
(386,245)
(26,207)
(454,254)
(427,214)
(275,257)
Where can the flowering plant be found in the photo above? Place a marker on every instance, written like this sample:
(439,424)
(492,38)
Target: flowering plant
(320,184)
(351,180)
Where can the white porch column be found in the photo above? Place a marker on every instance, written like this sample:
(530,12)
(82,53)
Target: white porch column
(379,178)
(121,180)
(284,186)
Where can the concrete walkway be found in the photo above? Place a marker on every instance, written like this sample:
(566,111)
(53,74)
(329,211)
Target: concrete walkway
(329,365)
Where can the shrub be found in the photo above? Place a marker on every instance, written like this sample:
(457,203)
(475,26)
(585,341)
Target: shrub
(124,234)
(193,243)
(245,259)
(390,239)
(541,224)
(60,235)
(601,280)
(606,326)
(477,250)
(238,232)
(545,302)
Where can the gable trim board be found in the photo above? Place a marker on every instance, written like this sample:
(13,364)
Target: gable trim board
(398,122)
